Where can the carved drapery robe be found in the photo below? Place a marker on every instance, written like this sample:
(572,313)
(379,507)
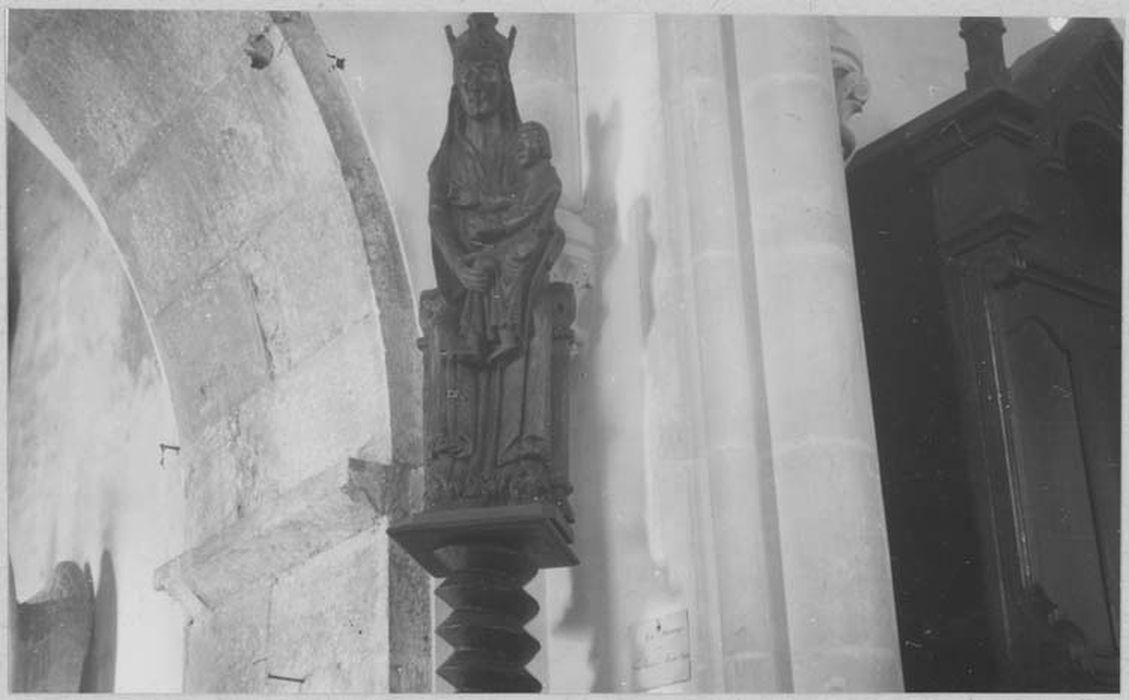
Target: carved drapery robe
(490,424)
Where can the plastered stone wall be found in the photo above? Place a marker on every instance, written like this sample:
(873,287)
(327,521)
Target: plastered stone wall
(88,409)
(221,188)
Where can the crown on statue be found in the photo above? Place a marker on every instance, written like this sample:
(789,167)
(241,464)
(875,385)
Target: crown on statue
(480,41)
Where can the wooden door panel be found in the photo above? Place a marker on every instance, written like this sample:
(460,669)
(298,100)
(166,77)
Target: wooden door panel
(1063,468)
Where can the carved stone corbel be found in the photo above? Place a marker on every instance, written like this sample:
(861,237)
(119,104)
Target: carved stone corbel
(852,89)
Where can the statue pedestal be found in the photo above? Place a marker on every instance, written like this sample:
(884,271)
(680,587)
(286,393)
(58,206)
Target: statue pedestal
(496,488)
(485,557)
(538,530)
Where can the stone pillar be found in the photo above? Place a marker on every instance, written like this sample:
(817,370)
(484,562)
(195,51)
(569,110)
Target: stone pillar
(836,568)
(739,502)
(617,71)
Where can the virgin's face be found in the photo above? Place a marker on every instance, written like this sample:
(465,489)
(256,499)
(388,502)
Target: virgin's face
(480,88)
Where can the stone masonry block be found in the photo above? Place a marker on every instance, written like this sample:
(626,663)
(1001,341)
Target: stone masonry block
(218,173)
(186,167)
(223,478)
(308,275)
(159,223)
(226,650)
(329,619)
(213,492)
(23,27)
(101,81)
(252,144)
(321,412)
(291,428)
(284,532)
(213,347)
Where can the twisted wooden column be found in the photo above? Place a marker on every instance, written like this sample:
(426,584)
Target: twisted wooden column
(485,557)
(489,610)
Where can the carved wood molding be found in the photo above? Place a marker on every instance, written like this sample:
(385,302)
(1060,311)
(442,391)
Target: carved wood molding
(1003,259)
(995,227)
(532,468)
(976,117)
(1007,270)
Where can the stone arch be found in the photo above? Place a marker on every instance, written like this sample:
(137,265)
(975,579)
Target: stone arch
(384,252)
(254,228)
(250,216)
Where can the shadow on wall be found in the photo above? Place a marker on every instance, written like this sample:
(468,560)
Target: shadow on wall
(590,432)
(13,294)
(13,254)
(639,223)
(63,639)
(640,230)
(101,657)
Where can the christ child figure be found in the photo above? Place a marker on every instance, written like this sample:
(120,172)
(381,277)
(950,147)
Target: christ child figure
(518,245)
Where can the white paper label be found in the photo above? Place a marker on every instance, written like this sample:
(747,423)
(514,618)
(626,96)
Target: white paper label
(661,651)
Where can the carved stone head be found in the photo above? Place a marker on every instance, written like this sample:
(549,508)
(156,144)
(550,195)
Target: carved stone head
(852,89)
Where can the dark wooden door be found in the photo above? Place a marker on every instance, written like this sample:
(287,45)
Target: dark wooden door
(1058,362)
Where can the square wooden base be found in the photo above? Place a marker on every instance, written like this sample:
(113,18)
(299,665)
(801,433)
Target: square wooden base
(536,529)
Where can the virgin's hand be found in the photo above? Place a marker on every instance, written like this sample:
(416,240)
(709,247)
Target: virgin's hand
(459,197)
(475,280)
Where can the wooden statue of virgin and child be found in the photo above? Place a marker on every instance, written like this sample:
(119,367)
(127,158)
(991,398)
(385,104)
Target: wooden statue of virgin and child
(496,332)
(496,342)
